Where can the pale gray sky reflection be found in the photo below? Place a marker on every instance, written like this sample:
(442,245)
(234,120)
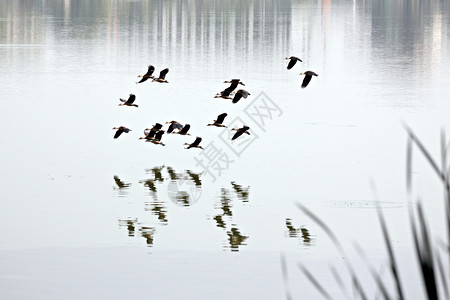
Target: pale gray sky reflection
(66,63)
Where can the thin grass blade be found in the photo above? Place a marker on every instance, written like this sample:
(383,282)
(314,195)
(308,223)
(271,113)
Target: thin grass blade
(334,239)
(392,261)
(444,148)
(285,277)
(426,153)
(314,281)
(381,286)
(424,254)
(409,153)
(339,280)
(442,276)
(428,156)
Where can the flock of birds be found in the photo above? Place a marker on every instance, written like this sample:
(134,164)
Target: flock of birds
(155,133)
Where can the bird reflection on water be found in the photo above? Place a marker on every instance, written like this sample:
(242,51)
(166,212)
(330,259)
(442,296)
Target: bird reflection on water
(241,192)
(147,233)
(121,186)
(234,237)
(195,177)
(237,196)
(150,183)
(219,221)
(144,231)
(158,209)
(130,224)
(158,205)
(157,173)
(147,229)
(173,175)
(300,233)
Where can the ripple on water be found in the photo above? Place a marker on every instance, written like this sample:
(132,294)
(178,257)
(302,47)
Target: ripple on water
(360,204)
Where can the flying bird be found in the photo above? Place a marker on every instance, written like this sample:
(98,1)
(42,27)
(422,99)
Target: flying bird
(149,134)
(239,94)
(219,121)
(156,127)
(162,76)
(227,92)
(173,125)
(157,139)
(147,75)
(120,130)
(307,79)
(184,130)
(240,131)
(195,144)
(292,61)
(129,101)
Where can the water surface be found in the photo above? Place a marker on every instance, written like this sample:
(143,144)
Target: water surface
(66,184)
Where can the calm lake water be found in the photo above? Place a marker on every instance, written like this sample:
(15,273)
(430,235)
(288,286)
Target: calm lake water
(124,218)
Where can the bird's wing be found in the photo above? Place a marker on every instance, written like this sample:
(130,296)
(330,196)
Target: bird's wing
(244,93)
(236,135)
(123,100)
(237,97)
(144,78)
(158,135)
(306,80)
(126,129)
(118,133)
(150,71)
(119,182)
(151,134)
(131,98)
(227,91)
(292,63)
(185,128)
(171,128)
(163,73)
(238,81)
(220,118)
(157,126)
(245,128)
(197,141)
